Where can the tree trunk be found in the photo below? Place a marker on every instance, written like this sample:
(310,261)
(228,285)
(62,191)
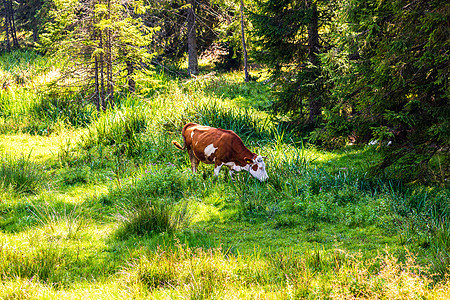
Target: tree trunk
(109,69)
(102,74)
(12,25)
(131,82)
(243,43)
(97,85)
(35,31)
(8,43)
(315,104)
(109,73)
(192,40)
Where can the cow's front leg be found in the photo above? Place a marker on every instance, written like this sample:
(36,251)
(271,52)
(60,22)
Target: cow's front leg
(194,161)
(231,172)
(217,169)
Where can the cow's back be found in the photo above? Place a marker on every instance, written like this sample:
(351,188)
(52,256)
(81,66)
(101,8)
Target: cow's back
(215,144)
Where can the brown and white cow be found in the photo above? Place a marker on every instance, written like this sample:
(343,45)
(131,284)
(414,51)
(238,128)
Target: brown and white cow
(221,148)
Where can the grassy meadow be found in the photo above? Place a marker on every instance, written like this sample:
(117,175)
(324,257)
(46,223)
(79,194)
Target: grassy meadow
(105,207)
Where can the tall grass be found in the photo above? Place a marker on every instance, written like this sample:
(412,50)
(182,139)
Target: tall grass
(439,240)
(155,216)
(26,105)
(21,175)
(212,274)
(121,128)
(244,122)
(62,222)
(71,110)
(149,202)
(22,59)
(45,262)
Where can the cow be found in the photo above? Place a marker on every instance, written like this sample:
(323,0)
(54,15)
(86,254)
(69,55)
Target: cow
(221,148)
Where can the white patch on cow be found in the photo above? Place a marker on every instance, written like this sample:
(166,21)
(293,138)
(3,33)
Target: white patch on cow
(210,149)
(233,166)
(192,134)
(260,172)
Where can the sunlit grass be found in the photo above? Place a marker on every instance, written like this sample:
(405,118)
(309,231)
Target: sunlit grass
(40,148)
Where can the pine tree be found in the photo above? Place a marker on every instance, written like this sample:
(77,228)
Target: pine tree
(175,18)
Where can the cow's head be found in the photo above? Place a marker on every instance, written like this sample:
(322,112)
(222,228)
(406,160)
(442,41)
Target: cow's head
(257,167)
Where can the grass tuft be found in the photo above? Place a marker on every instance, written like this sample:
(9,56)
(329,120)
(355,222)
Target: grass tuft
(21,175)
(157,216)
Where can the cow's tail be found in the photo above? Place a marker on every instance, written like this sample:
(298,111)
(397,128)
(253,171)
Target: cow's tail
(176,144)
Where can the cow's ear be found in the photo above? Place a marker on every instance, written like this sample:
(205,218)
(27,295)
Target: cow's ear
(248,160)
(264,157)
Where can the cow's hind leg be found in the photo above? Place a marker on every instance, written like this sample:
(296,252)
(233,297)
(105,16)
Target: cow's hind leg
(194,161)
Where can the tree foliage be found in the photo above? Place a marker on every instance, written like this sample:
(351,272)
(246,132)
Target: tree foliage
(171,17)
(290,35)
(101,39)
(377,71)
(389,77)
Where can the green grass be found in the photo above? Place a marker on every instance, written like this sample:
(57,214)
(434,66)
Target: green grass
(21,175)
(104,207)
